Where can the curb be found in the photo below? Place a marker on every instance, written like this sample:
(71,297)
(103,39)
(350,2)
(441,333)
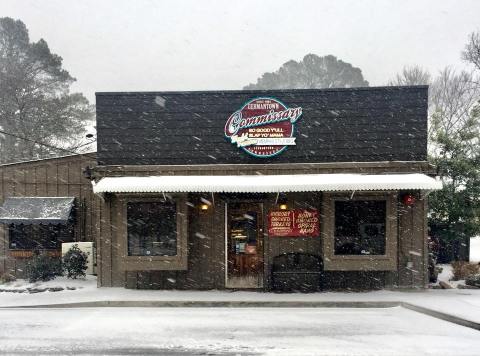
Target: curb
(443,316)
(211,304)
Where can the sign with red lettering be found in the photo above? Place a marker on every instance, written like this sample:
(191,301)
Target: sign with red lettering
(30,253)
(263,127)
(293,223)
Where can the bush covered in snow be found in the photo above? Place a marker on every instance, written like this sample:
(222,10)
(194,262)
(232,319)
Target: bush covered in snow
(43,268)
(462,270)
(473,280)
(75,262)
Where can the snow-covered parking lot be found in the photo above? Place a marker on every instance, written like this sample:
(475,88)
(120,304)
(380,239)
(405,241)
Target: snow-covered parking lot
(232,331)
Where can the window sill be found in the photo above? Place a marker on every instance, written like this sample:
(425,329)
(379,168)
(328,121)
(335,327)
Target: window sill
(359,257)
(360,263)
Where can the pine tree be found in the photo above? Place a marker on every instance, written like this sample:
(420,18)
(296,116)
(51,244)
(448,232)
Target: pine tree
(35,102)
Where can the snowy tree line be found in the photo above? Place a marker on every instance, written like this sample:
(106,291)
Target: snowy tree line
(39,117)
(454,141)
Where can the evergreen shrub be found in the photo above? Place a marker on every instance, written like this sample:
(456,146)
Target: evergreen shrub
(43,268)
(75,262)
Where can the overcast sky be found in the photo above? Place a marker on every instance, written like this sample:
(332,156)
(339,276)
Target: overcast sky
(113,45)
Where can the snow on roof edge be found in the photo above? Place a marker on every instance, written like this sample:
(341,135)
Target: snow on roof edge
(47,159)
(266,183)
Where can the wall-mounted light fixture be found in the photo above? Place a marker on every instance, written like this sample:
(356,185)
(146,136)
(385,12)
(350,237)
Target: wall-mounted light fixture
(282,201)
(408,199)
(204,204)
(88,172)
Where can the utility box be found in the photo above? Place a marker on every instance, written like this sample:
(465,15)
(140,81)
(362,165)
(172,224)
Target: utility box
(86,247)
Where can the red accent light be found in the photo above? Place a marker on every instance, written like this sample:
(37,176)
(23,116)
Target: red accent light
(408,199)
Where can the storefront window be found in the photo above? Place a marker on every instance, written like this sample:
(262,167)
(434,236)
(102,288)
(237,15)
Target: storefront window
(360,227)
(152,229)
(42,237)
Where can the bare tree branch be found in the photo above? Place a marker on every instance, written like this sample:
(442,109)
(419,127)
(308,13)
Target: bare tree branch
(472,50)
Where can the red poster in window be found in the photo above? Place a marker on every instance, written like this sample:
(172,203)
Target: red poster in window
(293,223)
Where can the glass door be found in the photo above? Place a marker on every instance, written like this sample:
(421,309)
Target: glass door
(244,245)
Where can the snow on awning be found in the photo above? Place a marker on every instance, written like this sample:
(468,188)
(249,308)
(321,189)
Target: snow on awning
(36,210)
(265,183)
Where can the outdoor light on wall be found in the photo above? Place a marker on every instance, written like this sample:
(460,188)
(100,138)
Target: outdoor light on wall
(408,199)
(204,204)
(88,172)
(282,201)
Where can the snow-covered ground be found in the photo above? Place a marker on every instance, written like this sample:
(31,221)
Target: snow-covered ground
(232,331)
(464,303)
(475,249)
(90,282)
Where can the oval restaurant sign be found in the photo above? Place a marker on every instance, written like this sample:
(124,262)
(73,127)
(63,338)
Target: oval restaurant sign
(263,127)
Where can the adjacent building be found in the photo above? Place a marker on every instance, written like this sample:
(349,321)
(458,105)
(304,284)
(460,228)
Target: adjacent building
(42,204)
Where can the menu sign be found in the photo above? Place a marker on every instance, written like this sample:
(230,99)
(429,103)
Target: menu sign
(293,223)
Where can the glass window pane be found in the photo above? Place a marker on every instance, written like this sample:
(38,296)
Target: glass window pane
(243,232)
(360,227)
(41,237)
(152,229)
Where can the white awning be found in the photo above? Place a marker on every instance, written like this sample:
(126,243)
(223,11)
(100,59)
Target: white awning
(266,183)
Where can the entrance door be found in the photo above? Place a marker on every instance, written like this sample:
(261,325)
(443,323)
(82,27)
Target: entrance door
(244,223)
